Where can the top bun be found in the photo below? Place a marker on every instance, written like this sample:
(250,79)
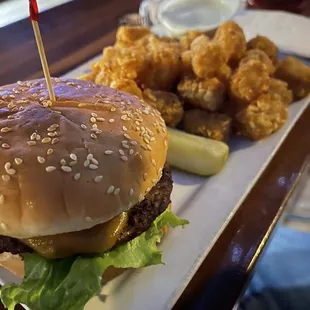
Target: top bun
(77,162)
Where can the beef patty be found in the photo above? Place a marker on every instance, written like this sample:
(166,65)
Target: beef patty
(140,216)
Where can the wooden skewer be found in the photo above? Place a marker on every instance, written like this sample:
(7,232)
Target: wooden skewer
(44,63)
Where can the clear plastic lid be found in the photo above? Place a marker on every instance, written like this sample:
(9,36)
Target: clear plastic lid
(175,17)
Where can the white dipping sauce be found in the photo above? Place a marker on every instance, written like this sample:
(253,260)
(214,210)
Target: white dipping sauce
(181,15)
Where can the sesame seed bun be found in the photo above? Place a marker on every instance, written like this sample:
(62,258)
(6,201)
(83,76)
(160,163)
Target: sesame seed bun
(77,162)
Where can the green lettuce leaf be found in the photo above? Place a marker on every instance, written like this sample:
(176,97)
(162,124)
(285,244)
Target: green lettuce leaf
(68,284)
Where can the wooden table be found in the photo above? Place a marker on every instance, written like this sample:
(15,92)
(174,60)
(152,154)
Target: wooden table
(77,31)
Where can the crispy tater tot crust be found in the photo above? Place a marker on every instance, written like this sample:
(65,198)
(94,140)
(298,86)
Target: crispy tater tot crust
(215,126)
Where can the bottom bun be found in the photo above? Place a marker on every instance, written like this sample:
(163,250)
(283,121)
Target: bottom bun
(15,265)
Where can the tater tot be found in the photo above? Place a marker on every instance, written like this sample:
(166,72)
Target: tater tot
(187,68)
(261,118)
(168,104)
(231,38)
(296,74)
(215,126)
(259,55)
(207,57)
(280,89)
(264,44)
(128,86)
(187,39)
(249,82)
(127,36)
(206,94)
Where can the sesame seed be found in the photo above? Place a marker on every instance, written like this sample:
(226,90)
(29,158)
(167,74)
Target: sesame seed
(38,137)
(6,177)
(3,226)
(127,136)
(50,151)
(131,192)
(33,136)
(31,143)
(94,114)
(73,156)
(7,165)
(95,161)
(11,105)
(98,131)
(11,171)
(133,142)
(152,139)
(124,158)
(145,176)
(143,146)
(6,129)
(110,189)
(41,160)
(93,120)
(89,156)
(92,135)
(153,162)
(125,128)
(121,152)
(131,151)
(55,140)
(86,163)
(63,162)
(163,130)
(124,117)
(126,146)
(50,168)
(11,116)
(108,152)
(100,119)
(66,168)
(116,192)
(77,176)
(111,120)
(98,178)
(72,163)
(95,126)
(12,96)
(46,140)
(93,167)
(87,218)
(1,199)
(83,126)
(15,109)
(112,109)
(51,134)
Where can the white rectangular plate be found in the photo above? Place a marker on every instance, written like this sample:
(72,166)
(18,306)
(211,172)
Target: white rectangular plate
(209,204)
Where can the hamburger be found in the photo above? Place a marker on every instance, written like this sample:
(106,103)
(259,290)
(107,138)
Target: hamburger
(84,189)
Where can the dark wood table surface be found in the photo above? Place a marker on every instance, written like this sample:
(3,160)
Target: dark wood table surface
(77,31)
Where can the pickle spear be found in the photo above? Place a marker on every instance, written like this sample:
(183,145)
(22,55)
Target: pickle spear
(195,154)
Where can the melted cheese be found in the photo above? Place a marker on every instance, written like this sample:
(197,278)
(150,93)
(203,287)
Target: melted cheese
(98,239)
